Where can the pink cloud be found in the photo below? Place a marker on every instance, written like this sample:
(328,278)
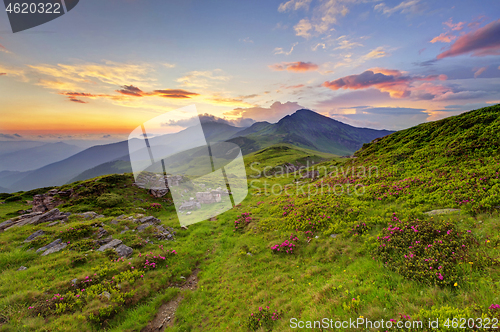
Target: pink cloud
(484,41)
(392,81)
(298,66)
(479,71)
(454,26)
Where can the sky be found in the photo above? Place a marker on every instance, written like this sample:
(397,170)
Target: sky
(104,68)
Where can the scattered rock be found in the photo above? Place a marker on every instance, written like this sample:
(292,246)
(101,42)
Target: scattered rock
(53,224)
(22,268)
(333,236)
(90,215)
(106,295)
(142,227)
(111,244)
(104,241)
(208,197)
(158,192)
(34,235)
(55,248)
(102,232)
(149,219)
(50,245)
(441,211)
(163,233)
(123,250)
(157,184)
(191,205)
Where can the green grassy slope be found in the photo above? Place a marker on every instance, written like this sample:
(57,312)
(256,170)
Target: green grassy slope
(359,243)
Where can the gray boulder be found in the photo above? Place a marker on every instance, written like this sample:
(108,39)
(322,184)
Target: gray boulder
(123,250)
(112,244)
(50,245)
(34,235)
(55,248)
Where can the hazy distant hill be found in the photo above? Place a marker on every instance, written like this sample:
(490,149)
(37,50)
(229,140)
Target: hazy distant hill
(36,157)
(13,146)
(311,130)
(7,178)
(62,171)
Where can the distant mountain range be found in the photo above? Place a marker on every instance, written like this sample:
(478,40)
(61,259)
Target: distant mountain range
(37,156)
(304,128)
(310,130)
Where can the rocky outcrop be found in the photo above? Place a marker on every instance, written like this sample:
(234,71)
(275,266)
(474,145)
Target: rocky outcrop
(156,184)
(34,218)
(164,233)
(46,202)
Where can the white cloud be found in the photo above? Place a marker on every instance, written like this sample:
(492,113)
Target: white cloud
(168,65)
(272,114)
(405,7)
(202,78)
(279,50)
(345,44)
(303,27)
(294,5)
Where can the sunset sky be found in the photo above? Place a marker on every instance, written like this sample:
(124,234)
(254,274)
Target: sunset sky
(104,68)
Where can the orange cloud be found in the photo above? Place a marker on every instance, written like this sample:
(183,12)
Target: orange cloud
(443,38)
(484,41)
(297,67)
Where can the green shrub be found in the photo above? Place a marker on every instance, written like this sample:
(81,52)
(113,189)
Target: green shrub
(263,318)
(14,198)
(83,245)
(4,196)
(109,200)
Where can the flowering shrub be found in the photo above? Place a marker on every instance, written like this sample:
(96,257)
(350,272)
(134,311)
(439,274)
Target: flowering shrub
(427,251)
(155,207)
(242,221)
(152,260)
(286,247)
(263,318)
(359,229)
